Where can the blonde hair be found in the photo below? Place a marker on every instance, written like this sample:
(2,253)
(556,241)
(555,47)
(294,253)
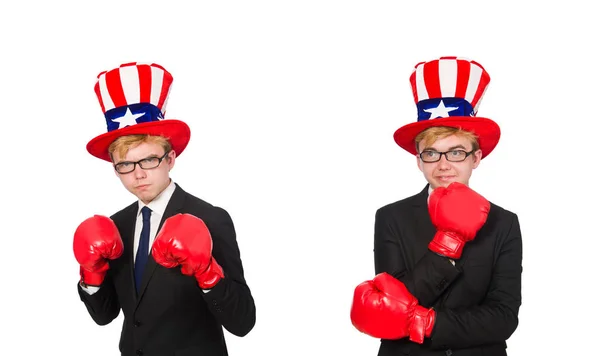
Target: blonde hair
(432,134)
(123,144)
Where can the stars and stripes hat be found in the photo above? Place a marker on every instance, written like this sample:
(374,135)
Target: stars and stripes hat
(133,98)
(448,92)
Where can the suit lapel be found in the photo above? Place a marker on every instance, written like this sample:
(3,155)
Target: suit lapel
(128,230)
(424,228)
(174,206)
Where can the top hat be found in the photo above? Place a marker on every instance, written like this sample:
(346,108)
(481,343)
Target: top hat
(448,92)
(133,98)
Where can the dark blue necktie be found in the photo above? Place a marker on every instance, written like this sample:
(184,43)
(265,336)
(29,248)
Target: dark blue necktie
(142,253)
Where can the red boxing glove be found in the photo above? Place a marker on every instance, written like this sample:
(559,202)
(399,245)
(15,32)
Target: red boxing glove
(458,213)
(96,241)
(185,240)
(385,309)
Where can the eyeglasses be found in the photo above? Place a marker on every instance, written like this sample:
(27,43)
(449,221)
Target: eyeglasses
(146,163)
(430,156)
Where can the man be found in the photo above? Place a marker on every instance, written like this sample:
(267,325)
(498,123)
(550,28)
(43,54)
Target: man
(169,261)
(447,261)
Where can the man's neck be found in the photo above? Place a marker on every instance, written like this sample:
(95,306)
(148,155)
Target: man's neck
(162,192)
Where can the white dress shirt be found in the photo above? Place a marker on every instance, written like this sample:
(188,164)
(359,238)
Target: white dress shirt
(158,206)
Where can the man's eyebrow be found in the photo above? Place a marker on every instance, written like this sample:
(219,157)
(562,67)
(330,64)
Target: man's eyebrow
(153,155)
(449,149)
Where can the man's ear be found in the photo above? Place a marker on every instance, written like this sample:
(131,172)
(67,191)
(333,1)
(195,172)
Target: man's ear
(171,159)
(418,157)
(112,163)
(419,162)
(477,158)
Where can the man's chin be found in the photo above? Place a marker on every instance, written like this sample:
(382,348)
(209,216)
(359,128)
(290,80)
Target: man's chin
(146,198)
(442,183)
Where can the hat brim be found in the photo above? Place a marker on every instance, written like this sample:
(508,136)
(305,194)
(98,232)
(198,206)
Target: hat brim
(487,131)
(176,131)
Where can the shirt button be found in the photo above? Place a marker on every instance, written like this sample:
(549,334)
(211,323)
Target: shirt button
(136,324)
(139,352)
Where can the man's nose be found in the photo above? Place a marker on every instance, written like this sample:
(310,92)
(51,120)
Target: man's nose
(443,162)
(138,171)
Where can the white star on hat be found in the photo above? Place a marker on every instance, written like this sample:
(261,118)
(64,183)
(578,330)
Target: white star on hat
(440,111)
(127,119)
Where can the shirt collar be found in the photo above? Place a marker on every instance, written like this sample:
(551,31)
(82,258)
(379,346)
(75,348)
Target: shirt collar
(429,190)
(159,204)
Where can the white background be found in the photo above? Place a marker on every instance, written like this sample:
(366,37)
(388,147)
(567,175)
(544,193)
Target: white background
(292,107)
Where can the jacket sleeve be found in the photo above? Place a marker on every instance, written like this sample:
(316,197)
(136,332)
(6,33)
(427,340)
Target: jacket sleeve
(230,300)
(103,305)
(496,318)
(431,274)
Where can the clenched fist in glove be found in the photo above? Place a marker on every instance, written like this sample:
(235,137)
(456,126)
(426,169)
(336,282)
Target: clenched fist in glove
(185,240)
(385,309)
(96,241)
(457,212)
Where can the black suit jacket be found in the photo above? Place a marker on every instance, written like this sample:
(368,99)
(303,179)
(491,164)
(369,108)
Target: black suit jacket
(477,301)
(172,315)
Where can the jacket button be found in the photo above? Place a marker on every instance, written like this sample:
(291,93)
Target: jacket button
(136,324)
(139,352)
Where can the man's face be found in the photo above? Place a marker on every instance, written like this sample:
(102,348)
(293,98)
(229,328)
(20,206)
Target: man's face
(444,171)
(145,184)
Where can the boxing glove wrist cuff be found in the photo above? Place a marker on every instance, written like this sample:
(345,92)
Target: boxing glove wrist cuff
(447,243)
(422,324)
(88,278)
(210,276)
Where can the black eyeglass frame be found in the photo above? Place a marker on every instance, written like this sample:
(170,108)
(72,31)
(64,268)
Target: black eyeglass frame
(160,159)
(467,154)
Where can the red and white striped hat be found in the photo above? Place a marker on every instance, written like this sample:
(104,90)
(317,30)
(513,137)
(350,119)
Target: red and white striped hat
(133,98)
(448,92)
